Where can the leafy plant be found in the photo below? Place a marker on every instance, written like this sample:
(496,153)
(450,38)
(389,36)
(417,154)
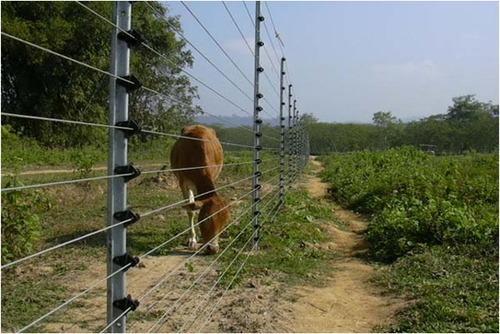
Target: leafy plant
(20,221)
(417,198)
(83,162)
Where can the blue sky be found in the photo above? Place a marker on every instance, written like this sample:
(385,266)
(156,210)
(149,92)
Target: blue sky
(348,60)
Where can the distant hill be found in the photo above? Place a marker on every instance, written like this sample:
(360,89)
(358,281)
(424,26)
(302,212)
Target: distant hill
(234,120)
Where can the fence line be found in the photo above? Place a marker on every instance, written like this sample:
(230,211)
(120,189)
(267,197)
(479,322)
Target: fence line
(294,144)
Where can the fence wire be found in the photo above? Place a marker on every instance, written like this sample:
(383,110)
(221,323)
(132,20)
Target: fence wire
(298,151)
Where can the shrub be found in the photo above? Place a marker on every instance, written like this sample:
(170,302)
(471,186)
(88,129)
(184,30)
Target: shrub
(20,222)
(415,198)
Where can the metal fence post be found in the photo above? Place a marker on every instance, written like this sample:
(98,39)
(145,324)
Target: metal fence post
(117,188)
(289,136)
(299,142)
(282,134)
(257,127)
(294,139)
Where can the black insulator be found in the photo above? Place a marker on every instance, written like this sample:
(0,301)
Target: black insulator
(126,304)
(129,82)
(134,128)
(128,215)
(126,259)
(128,169)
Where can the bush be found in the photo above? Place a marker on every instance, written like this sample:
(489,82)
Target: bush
(20,222)
(415,198)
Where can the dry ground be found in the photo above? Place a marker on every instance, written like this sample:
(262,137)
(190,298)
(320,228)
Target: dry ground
(348,302)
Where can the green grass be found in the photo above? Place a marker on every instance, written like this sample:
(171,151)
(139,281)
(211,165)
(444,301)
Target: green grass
(289,250)
(453,289)
(435,221)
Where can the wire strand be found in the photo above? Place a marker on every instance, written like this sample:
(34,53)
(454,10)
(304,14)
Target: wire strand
(58,183)
(231,282)
(170,206)
(60,120)
(206,269)
(216,42)
(65,57)
(183,37)
(91,287)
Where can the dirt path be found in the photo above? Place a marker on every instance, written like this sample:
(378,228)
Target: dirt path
(348,302)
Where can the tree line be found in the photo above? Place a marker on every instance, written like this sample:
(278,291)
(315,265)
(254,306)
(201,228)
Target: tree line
(469,125)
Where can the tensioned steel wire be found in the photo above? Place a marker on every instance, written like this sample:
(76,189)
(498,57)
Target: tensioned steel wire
(173,135)
(171,272)
(148,213)
(159,323)
(120,79)
(214,308)
(105,177)
(96,283)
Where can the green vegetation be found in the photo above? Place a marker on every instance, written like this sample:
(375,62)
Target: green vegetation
(20,222)
(38,83)
(290,248)
(454,289)
(468,126)
(436,220)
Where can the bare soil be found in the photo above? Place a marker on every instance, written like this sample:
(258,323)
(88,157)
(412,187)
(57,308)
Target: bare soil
(348,302)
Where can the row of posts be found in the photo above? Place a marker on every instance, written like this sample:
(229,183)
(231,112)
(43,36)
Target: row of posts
(293,144)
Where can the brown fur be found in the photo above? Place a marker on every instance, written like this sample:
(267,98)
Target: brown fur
(212,226)
(193,153)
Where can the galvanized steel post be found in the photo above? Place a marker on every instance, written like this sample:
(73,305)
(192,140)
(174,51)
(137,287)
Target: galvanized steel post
(117,188)
(282,134)
(289,135)
(257,122)
(294,139)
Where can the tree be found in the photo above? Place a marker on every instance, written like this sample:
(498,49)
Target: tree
(464,107)
(384,119)
(308,119)
(38,83)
